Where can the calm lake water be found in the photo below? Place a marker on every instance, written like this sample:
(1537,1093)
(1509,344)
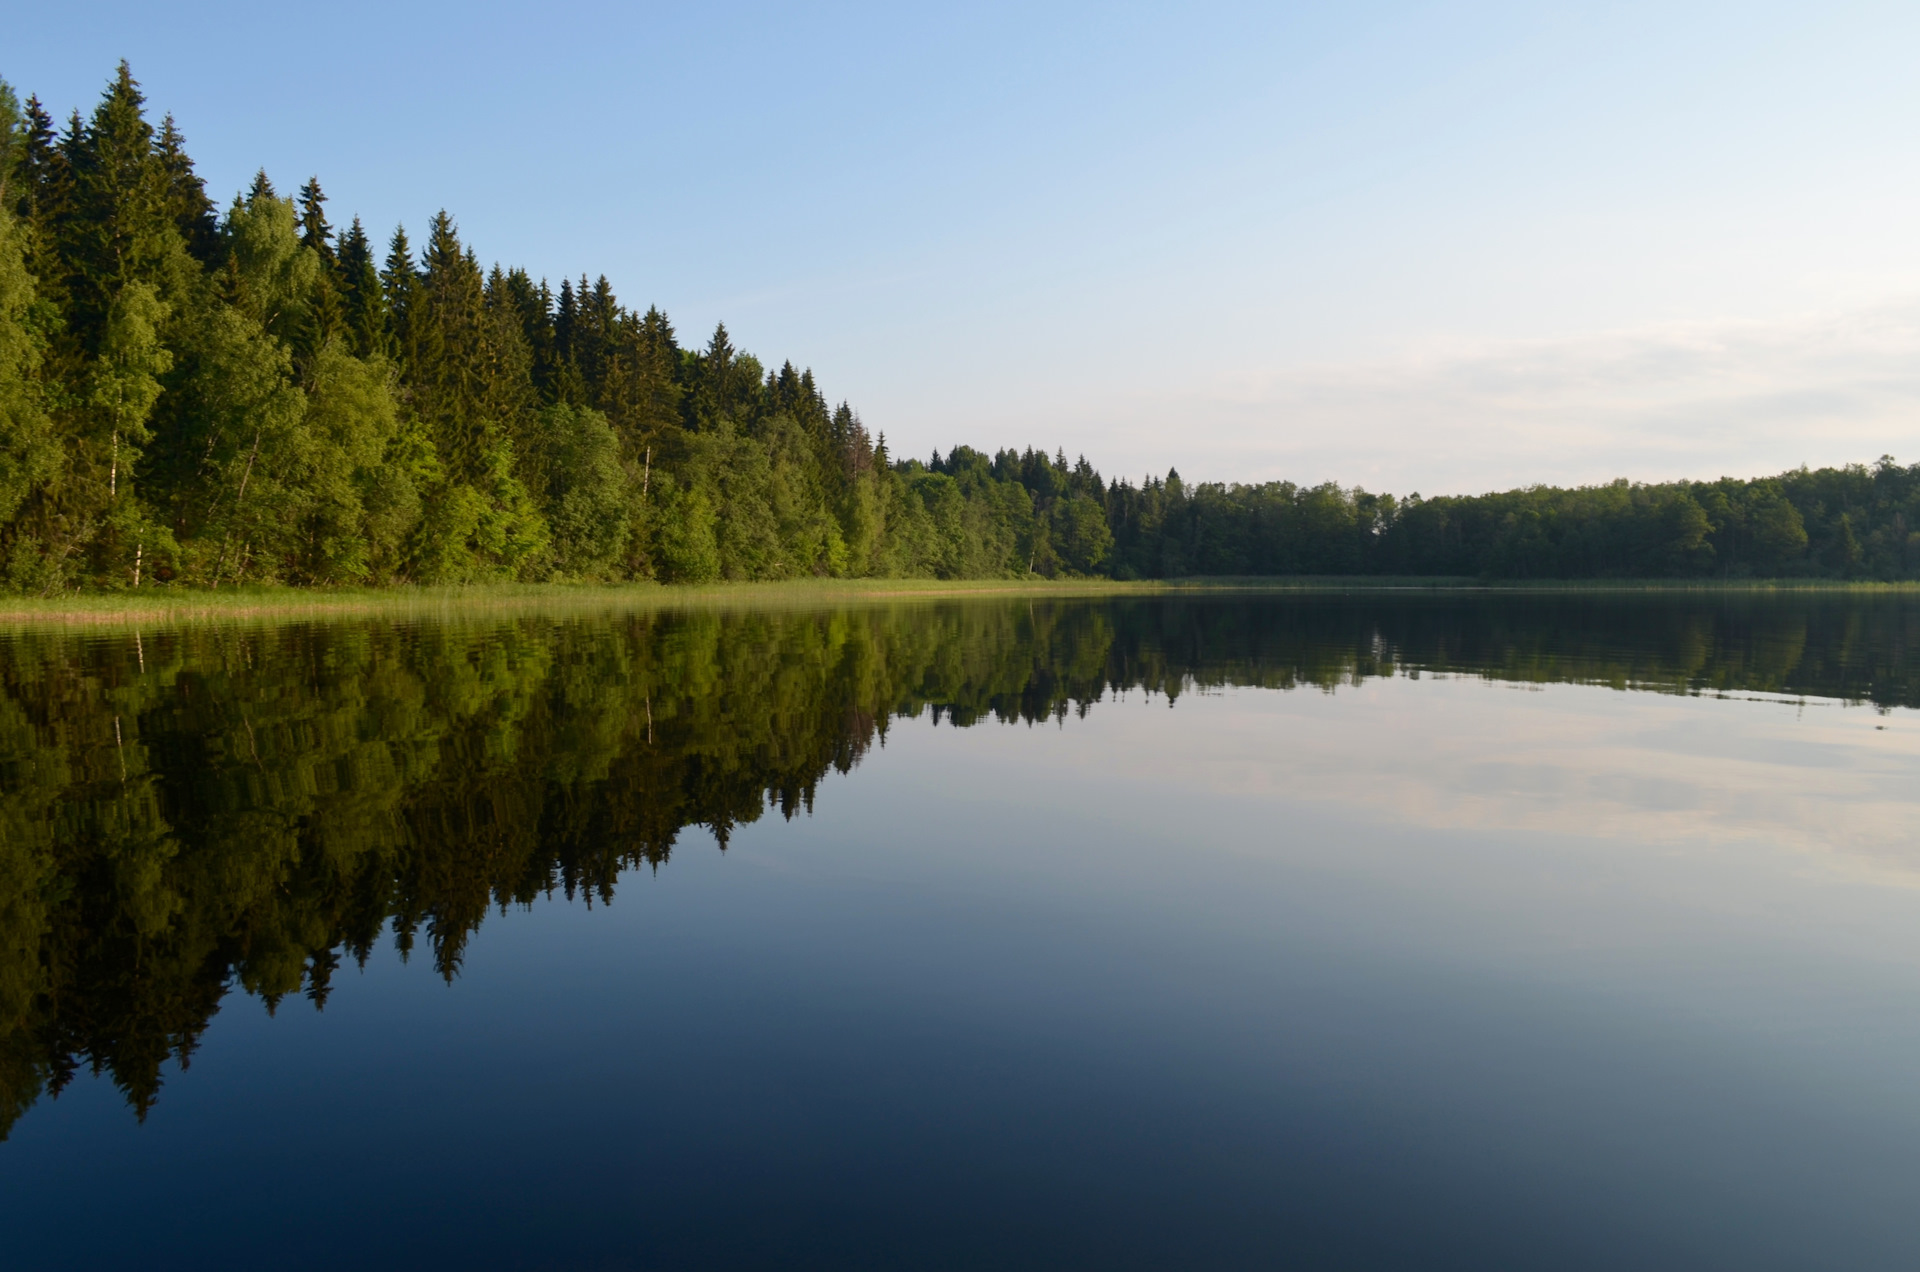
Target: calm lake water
(1348,932)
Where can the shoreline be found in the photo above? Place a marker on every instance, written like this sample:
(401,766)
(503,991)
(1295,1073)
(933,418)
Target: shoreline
(170,606)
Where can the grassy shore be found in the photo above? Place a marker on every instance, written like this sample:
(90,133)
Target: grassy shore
(166,606)
(178,605)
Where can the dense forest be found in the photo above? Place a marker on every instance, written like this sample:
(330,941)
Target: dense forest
(190,396)
(194,810)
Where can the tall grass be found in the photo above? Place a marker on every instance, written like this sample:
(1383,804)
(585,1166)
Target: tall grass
(170,606)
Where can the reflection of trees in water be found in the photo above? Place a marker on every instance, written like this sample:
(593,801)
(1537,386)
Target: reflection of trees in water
(192,809)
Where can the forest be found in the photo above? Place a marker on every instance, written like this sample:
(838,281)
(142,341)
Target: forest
(192,396)
(198,810)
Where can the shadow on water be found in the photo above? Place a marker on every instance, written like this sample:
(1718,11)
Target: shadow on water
(187,812)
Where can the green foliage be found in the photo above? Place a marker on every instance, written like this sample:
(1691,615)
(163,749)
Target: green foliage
(573,463)
(689,549)
(187,399)
(271,275)
(28,454)
(353,512)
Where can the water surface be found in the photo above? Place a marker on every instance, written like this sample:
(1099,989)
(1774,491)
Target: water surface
(1227,932)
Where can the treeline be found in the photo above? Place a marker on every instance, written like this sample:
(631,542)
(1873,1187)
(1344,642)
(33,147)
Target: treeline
(192,811)
(192,396)
(1837,523)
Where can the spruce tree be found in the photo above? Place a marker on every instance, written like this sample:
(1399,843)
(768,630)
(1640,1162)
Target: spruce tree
(28,454)
(186,195)
(41,168)
(534,304)
(565,378)
(119,228)
(401,283)
(471,383)
(326,312)
(363,299)
(713,396)
(593,341)
(315,233)
(13,141)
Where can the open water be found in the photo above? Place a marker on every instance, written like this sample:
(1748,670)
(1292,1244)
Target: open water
(1425,931)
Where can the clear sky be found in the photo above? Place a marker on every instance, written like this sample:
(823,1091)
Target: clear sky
(1411,246)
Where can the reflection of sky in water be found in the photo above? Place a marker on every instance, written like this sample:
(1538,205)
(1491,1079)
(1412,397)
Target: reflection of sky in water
(1466,753)
(1419,973)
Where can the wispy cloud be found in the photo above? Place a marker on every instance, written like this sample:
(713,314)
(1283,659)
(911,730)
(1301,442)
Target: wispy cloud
(1683,399)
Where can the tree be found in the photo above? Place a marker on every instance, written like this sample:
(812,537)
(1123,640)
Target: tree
(194,215)
(126,378)
(120,225)
(401,284)
(575,466)
(315,233)
(1779,533)
(363,301)
(29,456)
(354,511)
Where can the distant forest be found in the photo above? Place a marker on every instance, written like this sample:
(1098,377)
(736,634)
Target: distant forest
(257,396)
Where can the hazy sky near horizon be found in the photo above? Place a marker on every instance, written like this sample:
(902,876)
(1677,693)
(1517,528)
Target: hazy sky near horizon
(1443,247)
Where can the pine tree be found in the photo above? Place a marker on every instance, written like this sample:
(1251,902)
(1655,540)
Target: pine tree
(28,454)
(43,192)
(564,380)
(650,414)
(186,196)
(363,299)
(401,283)
(13,142)
(119,228)
(714,397)
(471,383)
(326,317)
(593,340)
(534,304)
(315,233)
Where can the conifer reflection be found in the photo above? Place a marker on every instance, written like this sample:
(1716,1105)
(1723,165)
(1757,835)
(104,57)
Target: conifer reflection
(187,811)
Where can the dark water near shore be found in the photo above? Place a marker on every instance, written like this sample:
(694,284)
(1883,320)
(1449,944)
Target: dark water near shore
(1364,932)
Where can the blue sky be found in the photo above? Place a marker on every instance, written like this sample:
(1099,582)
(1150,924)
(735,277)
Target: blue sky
(1433,247)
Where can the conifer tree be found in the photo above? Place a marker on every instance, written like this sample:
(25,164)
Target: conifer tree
(714,395)
(401,284)
(470,380)
(42,191)
(594,337)
(119,228)
(315,233)
(186,195)
(564,381)
(363,299)
(13,142)
(534,305)
(28,454)
(42,167)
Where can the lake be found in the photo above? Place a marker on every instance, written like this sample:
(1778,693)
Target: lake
(1452,930)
